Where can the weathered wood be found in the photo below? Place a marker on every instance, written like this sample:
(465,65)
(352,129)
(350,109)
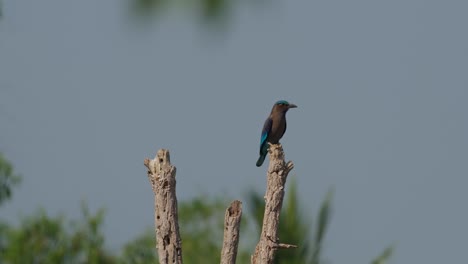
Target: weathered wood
(232,220)
(161,175)
(278,171)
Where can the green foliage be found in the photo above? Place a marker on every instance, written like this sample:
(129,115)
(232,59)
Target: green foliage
(201,222)
(8,179)
(201,225)
(141,250)
(146,8)
(294,229)
(44,239)
(40,239)
(213,12)
(322,226)
(384,256)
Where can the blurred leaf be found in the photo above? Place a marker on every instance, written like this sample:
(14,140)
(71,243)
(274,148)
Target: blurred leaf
(201,223)
(322,226)
(215,10)
(213,13)
(8,179)
(44,239)
(40,239)
(141,250)
(294,228)
(257,208)
(324,217)
(147,8)
(384,256)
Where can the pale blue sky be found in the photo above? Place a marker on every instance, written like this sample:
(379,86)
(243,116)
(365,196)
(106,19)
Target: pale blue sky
(382,89)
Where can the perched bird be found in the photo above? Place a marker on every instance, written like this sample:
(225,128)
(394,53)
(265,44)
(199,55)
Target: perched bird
(274,128)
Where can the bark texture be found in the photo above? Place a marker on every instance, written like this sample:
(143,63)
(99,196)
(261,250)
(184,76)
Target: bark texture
(278,171)
(232,220)
(161,175)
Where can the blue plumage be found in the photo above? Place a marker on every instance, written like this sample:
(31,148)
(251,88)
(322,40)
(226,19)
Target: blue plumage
(274,128)
(282,102)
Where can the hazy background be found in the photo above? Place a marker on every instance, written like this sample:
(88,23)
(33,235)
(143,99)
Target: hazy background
(87,91)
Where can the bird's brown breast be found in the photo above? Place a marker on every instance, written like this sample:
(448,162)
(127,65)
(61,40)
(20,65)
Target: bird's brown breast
(277,128)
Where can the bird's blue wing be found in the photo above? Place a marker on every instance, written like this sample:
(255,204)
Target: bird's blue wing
(265,131)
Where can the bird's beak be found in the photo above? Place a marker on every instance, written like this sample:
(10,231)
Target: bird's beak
(292,106)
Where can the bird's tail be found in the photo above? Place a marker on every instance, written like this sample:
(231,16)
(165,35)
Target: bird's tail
(261,159)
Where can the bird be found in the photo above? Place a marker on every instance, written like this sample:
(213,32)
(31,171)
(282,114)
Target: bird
(274,128)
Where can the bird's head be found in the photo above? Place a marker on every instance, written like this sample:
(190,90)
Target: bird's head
(282,106)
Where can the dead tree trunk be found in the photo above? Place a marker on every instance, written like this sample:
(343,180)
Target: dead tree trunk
(231,233)
(278,171)
(161,175)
